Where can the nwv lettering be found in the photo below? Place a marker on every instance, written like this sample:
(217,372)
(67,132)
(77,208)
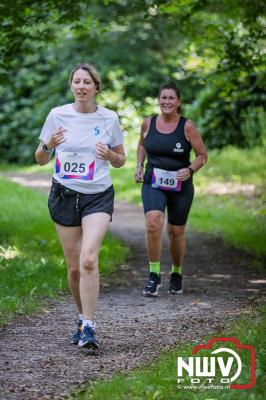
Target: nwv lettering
(224,364)
(206,366)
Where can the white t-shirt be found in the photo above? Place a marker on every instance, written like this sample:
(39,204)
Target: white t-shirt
(76,165)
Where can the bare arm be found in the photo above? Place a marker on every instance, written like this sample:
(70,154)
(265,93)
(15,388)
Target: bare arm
(43,157)
(141,152)
(193,136)
(116,155)
(197,144)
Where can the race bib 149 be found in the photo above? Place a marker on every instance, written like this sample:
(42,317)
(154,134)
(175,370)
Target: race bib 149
(69,165)
(165,180)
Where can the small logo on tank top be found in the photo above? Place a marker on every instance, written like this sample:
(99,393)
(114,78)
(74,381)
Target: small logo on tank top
(178,149)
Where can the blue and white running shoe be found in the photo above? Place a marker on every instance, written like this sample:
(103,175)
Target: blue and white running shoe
(88,339)
(76,337)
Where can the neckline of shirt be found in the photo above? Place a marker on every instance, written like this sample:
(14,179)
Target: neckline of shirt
(85,114)
(168,133)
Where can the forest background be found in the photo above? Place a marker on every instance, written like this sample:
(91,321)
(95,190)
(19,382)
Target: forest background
(213,50)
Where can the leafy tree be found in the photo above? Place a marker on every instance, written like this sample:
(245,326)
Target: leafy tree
(214,50)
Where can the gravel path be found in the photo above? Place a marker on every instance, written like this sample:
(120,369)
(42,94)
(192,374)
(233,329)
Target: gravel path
(36,361)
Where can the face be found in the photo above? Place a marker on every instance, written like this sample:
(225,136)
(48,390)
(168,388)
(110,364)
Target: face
(168,101)
(83,86)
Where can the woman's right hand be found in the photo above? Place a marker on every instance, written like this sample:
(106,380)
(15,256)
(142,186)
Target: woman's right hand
(57,138)
(139,174)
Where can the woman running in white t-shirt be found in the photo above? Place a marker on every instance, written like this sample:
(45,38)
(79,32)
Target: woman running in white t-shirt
(86,138)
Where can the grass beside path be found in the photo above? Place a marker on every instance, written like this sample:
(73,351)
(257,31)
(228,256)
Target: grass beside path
(30,248)
(158,381)
(238,217)
(31,261)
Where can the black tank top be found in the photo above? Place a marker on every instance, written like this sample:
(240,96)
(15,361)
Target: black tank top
(169,151)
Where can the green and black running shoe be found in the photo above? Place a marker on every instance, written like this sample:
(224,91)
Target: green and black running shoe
(153,285)
(175,286)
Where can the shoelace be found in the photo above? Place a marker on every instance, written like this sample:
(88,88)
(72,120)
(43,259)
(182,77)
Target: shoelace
(88,330)
(150,283)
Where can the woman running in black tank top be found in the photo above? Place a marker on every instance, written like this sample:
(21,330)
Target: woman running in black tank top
(166,141)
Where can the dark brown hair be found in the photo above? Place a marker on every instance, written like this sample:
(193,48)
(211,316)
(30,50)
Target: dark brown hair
(171,85)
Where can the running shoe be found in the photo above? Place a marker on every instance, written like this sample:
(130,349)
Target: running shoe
(175,286)
(88,339)
(76,337)
(154,284)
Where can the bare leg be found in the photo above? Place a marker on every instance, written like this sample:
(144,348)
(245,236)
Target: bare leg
(94,227)
(176,236)
(71,239)
(154,224)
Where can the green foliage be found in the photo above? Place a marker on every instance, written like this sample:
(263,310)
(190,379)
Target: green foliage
(239,221)
(253,127)
(31,260)
(234,165)
(214,50)
(25,22)
(235,118)
(238,216)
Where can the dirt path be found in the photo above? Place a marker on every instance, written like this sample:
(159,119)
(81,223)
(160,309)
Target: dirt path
(36,361)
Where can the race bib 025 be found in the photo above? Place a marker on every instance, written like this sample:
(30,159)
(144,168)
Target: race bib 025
(70,165)
(165,180)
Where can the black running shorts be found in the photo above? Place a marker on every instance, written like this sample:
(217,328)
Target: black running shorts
(178,204)
(67,207)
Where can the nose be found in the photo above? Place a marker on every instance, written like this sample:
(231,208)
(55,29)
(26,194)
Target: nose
(81,84)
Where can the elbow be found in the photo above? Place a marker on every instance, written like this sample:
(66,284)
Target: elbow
(39,159)
(122,164)
(41,163)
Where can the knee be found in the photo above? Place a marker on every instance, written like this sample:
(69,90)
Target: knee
(88,262)
(176,233)
(73,272)
(154,225)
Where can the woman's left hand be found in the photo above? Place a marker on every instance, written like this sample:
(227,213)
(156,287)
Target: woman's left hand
(103,151)
(183,174)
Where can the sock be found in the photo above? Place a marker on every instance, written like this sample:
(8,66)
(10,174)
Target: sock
(89,322)
(80,317)
(176,269)
(155,267)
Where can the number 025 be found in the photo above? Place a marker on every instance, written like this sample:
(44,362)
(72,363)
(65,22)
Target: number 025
(74,167)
